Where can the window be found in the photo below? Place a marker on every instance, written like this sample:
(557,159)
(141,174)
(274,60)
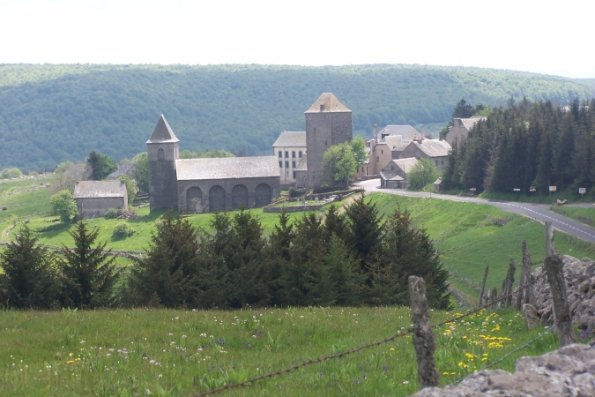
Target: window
(280,154)
(286,154)
(300,154)
(280,164)
(293,174)
(293,164)
(293,154)
(286,164)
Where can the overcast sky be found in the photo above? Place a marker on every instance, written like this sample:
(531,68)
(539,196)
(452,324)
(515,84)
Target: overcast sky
(542,36)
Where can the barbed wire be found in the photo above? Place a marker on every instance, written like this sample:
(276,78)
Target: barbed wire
(360,348)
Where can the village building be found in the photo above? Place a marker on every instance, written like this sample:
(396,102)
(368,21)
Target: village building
(394,175)
(96,198)
(386,145)
(207,184)
(328,123)
(460,128)
(290,150)
(432,149)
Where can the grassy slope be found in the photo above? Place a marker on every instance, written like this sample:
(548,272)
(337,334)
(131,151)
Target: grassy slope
(469,238)
(176,353)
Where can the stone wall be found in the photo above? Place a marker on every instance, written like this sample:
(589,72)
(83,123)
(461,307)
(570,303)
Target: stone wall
(580,289)
(566,372)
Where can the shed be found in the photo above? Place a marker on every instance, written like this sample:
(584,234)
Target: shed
(95,198)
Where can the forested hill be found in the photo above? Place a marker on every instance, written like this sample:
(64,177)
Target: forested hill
(51,113)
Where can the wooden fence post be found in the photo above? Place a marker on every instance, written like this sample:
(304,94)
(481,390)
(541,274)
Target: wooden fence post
(525,294)
(549,239)
(483,286)
(554,268)
(507,285)
(423,339)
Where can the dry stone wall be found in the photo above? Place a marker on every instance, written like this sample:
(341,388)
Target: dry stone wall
(566,372)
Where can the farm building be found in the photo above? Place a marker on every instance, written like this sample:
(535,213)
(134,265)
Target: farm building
(95,198)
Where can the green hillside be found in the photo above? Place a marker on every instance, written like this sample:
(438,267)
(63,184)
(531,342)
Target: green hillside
(50,113)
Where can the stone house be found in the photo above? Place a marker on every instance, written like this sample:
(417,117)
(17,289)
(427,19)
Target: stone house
(460,128)
(290,150)
(95,198)
(432,149)
(386,145)
(394,175)
(207,184)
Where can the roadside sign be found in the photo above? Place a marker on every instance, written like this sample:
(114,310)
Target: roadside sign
(532,189)
(517,189)
(553,188)
(582,190)
(472,189)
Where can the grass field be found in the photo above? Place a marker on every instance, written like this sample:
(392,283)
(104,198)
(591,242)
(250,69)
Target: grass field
(178,353)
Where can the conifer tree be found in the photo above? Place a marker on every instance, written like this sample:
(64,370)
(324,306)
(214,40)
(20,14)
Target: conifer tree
(29,279)
(409,251)
(277,259)
(167,274)
(364,230)
(88,270)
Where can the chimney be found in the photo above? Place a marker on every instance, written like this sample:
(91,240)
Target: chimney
(322,107)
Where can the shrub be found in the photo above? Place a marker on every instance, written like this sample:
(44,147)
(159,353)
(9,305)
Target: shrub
(121,231)
(113,213)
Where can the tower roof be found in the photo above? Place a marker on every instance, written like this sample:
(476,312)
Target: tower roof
(162,132)
(327,102)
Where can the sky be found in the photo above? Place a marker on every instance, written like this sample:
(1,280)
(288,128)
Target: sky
(541,36)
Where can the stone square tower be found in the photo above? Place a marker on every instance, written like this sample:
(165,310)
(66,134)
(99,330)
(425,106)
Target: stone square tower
(163,151)
(328,122)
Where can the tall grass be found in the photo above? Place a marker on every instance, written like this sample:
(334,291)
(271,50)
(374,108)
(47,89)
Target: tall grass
(177,353)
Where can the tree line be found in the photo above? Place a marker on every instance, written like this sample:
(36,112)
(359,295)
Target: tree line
(345,258)
(527,147)
(53,113)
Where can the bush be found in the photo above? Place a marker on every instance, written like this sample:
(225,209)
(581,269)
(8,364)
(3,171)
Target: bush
(113,213)
(64,206)
(122,231)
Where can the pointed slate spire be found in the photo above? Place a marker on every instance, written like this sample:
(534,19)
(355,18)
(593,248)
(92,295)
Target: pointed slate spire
(327,102)
(162,132)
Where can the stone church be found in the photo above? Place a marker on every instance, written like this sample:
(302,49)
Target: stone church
(206,184)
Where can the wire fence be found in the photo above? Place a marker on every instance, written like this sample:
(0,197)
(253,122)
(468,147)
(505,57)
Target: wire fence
(398,334)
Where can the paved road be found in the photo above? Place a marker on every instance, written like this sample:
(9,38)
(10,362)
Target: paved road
(538,212)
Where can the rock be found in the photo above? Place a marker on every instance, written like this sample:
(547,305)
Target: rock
(566,372)
(531,315)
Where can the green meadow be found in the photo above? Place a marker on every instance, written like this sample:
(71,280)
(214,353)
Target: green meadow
(184,352)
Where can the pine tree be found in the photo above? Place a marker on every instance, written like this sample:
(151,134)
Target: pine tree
(364,230)
(88,271)
(409,251)
(29,279)
(168,274)
(343,282)
(276,260)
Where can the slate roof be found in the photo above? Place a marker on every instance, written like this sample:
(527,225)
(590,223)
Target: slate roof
(433,147)
(405,130)
(391,176)
(405,164)
(162,132)
(470,122)
(327,102)
(291,139)
(99,189)
(396,142)
(227,168)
